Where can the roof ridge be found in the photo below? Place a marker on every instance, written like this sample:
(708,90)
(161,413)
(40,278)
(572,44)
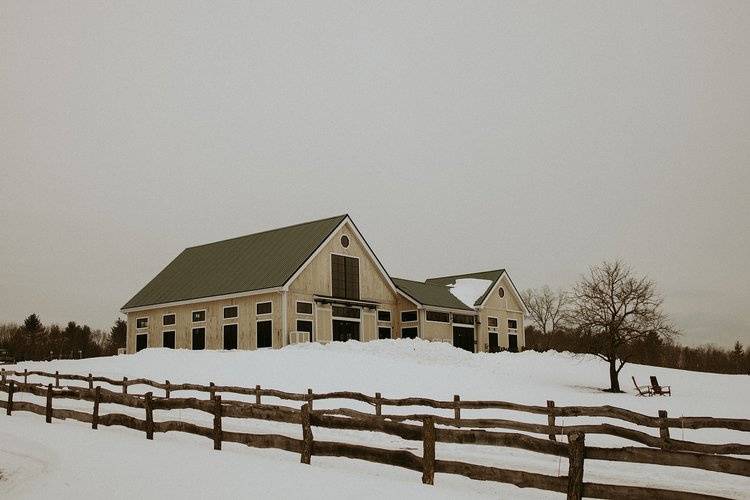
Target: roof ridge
(465,274)
(268,231)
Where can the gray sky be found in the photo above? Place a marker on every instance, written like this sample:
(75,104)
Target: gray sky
(541,137)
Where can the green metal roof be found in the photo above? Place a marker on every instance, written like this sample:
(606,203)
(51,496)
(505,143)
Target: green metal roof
(430,294)
(483,275)
(253,262)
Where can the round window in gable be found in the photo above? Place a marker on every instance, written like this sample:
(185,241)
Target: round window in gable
(345,241)
(501,291)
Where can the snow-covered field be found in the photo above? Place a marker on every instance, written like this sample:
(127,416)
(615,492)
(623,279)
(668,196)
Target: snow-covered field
(67,459)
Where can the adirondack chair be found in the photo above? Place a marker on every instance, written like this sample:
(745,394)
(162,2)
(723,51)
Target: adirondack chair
(643,390)
(660,390)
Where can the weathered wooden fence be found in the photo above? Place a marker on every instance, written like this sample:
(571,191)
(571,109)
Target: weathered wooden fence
(662,450)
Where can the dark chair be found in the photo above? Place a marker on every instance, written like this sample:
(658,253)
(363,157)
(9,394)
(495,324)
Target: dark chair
(660,390)
(643,390)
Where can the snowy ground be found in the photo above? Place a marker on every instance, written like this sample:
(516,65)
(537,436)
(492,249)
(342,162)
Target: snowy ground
(70,460)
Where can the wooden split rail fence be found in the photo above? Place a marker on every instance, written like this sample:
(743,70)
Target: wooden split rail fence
(662,450)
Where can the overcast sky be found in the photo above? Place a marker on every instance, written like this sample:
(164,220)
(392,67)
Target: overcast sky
(540,137)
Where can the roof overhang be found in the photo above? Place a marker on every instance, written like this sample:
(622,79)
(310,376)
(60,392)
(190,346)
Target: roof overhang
(200,299)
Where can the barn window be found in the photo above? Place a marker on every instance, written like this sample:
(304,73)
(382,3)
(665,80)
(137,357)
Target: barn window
(512,325)
(492,322)
(463,319)
(263,308)
(384,332)
(199,316)
(305,325)
(345,312)
(304,307)
(345,277)
(345,241)
(409,333)
(438,317)
(408,316)
(231,312)
(141,323)
(384,316)
(168,319)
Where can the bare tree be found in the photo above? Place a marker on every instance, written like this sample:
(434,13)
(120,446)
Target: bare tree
(547,309)
(613,310)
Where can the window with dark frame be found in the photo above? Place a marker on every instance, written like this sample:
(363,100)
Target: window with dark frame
(512,324)
(409,333)
(345,241)
(304,308)
(384,316)
(408,316)
(345,312)
(439,317)
(231,312)
(305,325)
(263,308)
(168,319)
(384,332)
(344,277)
(492,322)
(141,323)
(463,319)
(199,316)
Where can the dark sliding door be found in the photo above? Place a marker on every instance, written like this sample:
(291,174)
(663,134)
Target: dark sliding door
(230,337)
(265,333)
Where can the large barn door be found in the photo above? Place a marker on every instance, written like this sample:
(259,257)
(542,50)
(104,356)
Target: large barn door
(463,338)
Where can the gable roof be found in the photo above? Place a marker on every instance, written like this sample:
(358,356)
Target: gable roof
(430,294)
(492,276)
(244,264)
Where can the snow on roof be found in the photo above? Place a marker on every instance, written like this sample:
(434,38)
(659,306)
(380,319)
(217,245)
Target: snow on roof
(468,290)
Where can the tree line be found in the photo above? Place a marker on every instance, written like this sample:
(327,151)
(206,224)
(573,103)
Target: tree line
(617,315)
(33,341)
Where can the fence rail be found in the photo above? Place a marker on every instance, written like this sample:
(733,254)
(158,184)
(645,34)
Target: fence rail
(660,450)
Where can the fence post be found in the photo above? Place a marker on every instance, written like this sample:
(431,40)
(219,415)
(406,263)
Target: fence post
(57,379)
(167,390)
(217,422)
(124,385)
(307,436)
(428,450)
(576,455)
(48,410)
(91,381)
(25,376)
(95,415)
(149,416)
(257,394)
(378,405)
(211,390)
(2,374)
(457,407)
(310,398)
(551,419)
(663,428)
(11,387)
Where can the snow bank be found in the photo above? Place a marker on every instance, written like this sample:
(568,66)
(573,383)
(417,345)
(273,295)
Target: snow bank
(69,458)
(468,290)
